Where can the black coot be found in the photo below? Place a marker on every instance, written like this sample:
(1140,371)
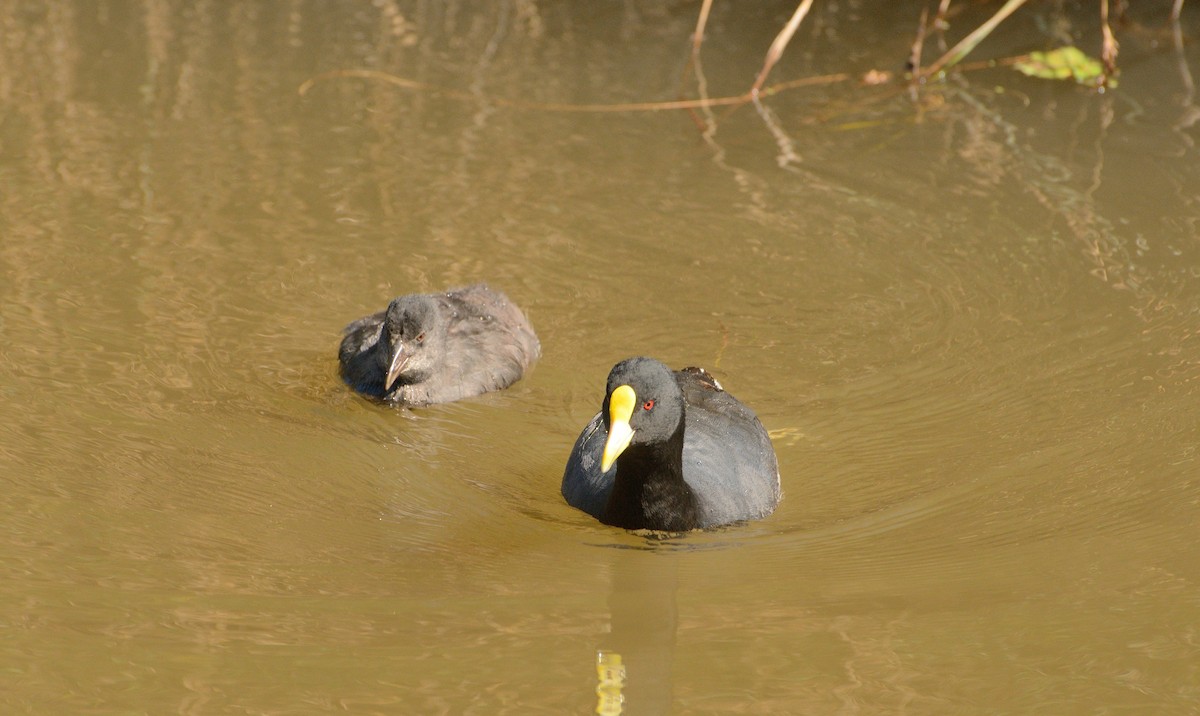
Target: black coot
(435,348)
(671,451)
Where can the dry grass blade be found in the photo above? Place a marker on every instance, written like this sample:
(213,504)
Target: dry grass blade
(940,20)
(707,123)
(701,22)
(1108,53)
(969,42)
(914,56)
(781,43)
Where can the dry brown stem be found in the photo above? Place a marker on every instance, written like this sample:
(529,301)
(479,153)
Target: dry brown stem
(694,66)
(939,21)
(391,79)
(701,22)
(780,44)
(968,43)
(914,56)
(1108,52)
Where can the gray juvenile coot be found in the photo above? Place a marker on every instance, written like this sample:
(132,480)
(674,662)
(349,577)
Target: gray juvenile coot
(671,451)
(435,348)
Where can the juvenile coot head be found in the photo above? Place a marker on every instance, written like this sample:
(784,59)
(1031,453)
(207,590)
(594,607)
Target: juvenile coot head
(413,331)
(438,347)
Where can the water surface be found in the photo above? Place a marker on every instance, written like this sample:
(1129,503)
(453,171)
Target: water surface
(971,323)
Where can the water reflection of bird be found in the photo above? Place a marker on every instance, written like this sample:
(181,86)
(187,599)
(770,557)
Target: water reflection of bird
(435,348)
(686,454)
(640,644)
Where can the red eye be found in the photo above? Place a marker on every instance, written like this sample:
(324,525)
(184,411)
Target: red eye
(421,337)
(648,405)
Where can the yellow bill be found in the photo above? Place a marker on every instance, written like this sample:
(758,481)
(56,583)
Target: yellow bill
(620,410)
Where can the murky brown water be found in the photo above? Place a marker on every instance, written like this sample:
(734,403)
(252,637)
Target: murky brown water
(972,326)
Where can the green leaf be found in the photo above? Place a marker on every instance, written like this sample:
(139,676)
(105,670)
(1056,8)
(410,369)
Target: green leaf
(1062,64)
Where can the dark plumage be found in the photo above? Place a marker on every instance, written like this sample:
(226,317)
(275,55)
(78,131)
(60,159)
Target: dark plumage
(435,348)
(686,454)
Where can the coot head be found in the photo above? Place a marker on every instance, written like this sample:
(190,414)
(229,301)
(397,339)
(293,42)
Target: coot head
(413,333)
(643,406)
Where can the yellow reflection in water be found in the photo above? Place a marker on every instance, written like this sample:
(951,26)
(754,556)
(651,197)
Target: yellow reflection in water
(610,675)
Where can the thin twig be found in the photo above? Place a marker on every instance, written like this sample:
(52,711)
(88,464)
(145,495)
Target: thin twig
(969,42)
(767,91)
(990,64)
(914,56)
(547,106)
(804,82)
(1108,52)
(940,20)
(701,22)
(1175,10)
(780,44)
(696,68)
